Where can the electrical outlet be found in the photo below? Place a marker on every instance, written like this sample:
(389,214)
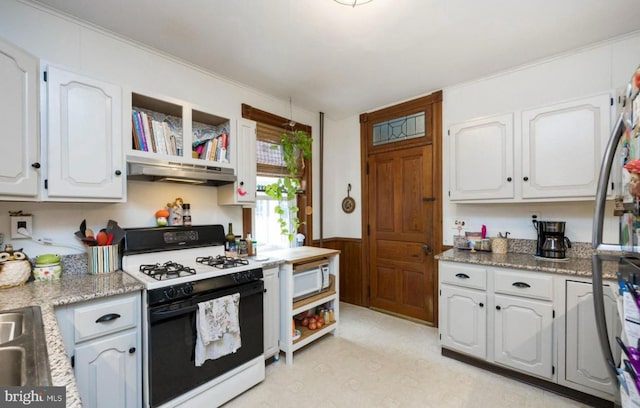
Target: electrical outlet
(535,215)
(21,226)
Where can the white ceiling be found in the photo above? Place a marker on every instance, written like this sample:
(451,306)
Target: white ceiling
(344,61)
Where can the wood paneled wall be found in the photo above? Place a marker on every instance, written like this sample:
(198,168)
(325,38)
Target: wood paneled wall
(352,285)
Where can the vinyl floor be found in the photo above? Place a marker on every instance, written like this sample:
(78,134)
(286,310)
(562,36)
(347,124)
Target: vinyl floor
(377,360)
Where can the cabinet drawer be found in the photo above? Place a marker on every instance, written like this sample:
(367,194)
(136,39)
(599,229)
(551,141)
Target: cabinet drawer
(463,275)
(107,316)
(524,284)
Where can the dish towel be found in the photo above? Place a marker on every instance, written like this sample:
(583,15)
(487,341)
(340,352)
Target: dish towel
(218,328)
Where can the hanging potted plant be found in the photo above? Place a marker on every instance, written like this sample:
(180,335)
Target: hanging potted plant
(295,146)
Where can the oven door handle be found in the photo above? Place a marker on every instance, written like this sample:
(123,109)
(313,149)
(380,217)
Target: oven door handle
(157,315)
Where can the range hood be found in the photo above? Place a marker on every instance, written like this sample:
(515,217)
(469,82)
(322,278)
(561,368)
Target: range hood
(146,169)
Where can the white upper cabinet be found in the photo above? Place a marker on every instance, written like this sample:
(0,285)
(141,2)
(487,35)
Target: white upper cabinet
(550,153)
(84,142)
(19,163)
(243,191)
(562,147)
(481,157)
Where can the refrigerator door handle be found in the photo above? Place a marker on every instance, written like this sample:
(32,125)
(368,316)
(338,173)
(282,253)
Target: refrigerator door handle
(603,180)
(601,322)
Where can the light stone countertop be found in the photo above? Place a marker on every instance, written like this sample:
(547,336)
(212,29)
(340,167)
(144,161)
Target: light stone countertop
(573,266)
(69,289)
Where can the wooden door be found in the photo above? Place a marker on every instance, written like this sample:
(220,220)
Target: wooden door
(401,209)
(400,226)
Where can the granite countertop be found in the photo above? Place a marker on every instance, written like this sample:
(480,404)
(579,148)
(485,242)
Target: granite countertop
(69,289)
(578,266)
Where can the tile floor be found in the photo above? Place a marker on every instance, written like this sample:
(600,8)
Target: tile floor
(377,360)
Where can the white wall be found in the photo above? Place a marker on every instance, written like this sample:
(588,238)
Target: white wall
(341,168)
(84,49)
(601,68)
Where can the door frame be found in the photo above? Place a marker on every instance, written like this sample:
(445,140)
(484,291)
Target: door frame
(432,105)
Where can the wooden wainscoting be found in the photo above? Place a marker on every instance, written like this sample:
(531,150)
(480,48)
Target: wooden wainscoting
(352,285)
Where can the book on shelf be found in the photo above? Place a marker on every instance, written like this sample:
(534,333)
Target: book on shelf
(169,139)
(137,125)
(134,139)
(158,136)
(146,122)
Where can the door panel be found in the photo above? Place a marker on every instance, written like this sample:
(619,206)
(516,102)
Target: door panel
(401,274)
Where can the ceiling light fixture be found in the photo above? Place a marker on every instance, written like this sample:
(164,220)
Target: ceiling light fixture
(353,3)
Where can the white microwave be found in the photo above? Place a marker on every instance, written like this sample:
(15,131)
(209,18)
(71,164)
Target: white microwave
(310,279)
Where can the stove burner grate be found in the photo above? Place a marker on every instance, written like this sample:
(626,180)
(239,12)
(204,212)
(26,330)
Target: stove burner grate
(167,270)
(221,261)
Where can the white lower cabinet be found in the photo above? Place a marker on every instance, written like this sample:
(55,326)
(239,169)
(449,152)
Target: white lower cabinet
(463,320)
(523,334)
(581,338)
(536,323)
(103,340)
(271,312)
(106,371)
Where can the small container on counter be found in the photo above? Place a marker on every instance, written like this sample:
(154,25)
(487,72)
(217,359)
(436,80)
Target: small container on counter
(47,268)
(186,215)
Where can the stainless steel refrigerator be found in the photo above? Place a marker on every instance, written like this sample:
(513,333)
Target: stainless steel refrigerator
(622,157)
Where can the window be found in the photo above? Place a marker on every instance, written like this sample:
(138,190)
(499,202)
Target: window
(265,226)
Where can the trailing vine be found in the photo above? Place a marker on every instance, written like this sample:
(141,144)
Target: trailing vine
(295,146)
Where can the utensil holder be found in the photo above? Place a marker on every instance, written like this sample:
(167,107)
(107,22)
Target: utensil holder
(499,245)
(103,259)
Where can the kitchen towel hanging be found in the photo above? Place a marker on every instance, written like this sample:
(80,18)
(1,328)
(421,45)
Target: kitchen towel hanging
(218,328)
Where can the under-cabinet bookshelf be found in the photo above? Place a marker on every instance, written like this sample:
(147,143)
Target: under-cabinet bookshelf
(165,127)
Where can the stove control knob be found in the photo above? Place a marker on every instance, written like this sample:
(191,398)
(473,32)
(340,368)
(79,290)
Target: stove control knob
(187,289)
(170,293)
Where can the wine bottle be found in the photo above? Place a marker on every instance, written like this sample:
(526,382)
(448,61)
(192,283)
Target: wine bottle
(230,239)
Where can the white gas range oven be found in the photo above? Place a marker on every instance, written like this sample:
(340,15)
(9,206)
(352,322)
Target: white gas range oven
(180,268)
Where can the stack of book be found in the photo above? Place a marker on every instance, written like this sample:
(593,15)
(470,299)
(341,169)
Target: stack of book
(214,149)
(150,135)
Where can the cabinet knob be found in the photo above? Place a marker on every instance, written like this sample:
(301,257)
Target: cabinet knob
(36,165)
(132,350)
(242,183)
(509,179)
(265,290)
(118,172)
(498,308)
(526,178)
(481,304)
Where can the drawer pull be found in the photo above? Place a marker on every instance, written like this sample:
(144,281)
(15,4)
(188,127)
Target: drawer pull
(132,350)
(107,317)
(521,285)
(462,276)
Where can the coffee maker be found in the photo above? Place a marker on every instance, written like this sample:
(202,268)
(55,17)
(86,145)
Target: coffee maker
(551,241)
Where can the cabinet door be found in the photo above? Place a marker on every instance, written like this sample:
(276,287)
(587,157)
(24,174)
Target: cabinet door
(106,371)
(524,335)
(243,191)
(562,147)
(85,159)
(481,159)
(246,159)
(271,312)
(585,364)
(19,118)
(463,320)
